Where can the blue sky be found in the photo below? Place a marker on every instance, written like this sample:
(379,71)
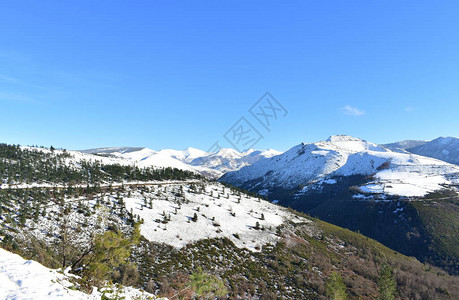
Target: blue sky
(82,74)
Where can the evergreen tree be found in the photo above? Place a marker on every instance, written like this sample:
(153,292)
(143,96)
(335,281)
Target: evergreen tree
(336,289)
(206,285)
(387,285)
(111,251)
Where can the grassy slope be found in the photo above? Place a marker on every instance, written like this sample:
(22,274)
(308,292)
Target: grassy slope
(440,216)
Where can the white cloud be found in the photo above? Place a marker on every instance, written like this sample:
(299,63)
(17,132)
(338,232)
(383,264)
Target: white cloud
(352,111)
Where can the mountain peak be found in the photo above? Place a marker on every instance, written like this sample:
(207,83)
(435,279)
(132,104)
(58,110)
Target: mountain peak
(349,144)
(343,138)
(228,152)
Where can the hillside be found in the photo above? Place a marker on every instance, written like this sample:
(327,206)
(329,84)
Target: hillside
(404,145)
(443,148)
(366,187)
(191,229)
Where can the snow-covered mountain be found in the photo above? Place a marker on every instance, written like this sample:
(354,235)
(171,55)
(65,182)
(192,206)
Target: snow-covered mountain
(308,166)
(405,145)
(209,164)
(443,148)
(227,159)
(149,157)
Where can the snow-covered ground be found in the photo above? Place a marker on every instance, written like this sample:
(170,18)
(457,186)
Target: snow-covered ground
(167,209)
(22,279)
(220,213)
(226,160)
(395,173)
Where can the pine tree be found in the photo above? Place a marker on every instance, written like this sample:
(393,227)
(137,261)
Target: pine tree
(336,289)
(111,251)
(387,285)
(206,285)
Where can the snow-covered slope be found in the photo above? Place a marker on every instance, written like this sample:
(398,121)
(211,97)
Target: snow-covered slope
(110,150)
(226,160)
(312,164)
(443,148)
(404,145)
(186,156)
(209,164)
(144,156)
(27,279)
(220,212)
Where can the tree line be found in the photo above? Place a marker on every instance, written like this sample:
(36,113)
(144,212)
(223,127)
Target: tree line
(20,165)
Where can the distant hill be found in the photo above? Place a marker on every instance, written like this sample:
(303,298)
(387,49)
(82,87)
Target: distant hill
(443,148)
(212,165)
(404,145)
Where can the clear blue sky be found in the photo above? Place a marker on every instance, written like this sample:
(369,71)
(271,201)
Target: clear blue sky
(81,74)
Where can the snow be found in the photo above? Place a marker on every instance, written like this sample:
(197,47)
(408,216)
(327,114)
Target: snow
(186,155)
(22,279)
(212,165)
(215,218)
(27,279)
(372,188)
(396,173)
(329,181)
(226,159)
(400,209)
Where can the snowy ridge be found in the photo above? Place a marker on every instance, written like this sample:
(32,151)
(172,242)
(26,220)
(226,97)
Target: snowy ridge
(404,145)
(226,160)
(212,165)
(443,148)
(395,173)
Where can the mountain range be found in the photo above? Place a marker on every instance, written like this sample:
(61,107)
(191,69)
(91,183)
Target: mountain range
(402,194)
(173,225)
(310,166)
(212,165)
(404,168)
(406,201)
